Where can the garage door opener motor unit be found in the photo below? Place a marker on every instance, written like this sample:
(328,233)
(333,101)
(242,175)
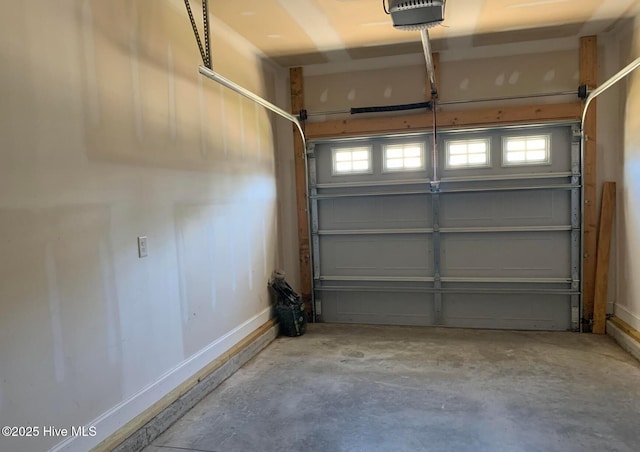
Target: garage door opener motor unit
(415,15)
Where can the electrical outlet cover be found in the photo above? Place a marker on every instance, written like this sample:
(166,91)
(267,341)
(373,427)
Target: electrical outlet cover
(142,247)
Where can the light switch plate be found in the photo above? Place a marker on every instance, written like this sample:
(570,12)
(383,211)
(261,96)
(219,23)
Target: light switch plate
(142,247)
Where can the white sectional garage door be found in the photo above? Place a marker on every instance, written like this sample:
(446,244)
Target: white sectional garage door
(495,244)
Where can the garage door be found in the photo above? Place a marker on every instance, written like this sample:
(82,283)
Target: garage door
(494,243)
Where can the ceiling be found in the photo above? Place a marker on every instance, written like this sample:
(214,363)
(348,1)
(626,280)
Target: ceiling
(307,32)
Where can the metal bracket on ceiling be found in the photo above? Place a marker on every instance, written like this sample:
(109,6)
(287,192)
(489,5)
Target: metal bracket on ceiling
(205,51)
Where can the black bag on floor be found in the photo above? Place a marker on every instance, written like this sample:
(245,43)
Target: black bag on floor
(288,309)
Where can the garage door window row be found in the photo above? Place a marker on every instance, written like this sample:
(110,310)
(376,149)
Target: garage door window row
(472,153)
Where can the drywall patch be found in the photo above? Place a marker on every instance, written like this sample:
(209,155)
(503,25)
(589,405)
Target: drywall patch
(214,275)
(243,131)
(110,293)
(388,92)
(173,125)
(248,248)
(550,75)
(202,112)
(324,96)
(500,79)
(90,63)
(513,78)
(352,94)
(256,114)
(56,317)
(464,84)
(264,247)
(225,128)
(135,77)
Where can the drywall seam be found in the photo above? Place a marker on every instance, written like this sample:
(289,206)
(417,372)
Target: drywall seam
(114,419)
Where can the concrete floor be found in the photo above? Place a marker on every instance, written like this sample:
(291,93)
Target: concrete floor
(376,388)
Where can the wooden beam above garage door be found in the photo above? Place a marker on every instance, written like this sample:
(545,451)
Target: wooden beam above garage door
(446,120)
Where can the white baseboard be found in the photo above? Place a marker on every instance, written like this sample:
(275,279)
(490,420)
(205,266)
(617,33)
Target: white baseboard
(627,316)
(116,418)
(624,339)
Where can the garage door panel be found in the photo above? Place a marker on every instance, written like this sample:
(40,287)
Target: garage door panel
(528,208)
(378,307)
(494,244)
(513,311)
(388,212)
(410,256)
(466,209)
(511,255)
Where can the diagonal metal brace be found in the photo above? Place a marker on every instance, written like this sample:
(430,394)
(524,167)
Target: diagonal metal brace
(205,51)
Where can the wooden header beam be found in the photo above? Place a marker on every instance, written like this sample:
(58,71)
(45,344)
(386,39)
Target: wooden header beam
(446,120)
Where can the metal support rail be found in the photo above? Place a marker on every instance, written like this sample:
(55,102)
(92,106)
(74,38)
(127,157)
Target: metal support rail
(445,279)
(510,177)
(389,183)
(470,230)
(446,191)
(376,278)
(428,56)
(445,180)
(515,188)
(445,290)
(375,231)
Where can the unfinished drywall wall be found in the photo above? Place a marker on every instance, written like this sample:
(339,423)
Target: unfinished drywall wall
(509,75)
(628,215)
(108,133)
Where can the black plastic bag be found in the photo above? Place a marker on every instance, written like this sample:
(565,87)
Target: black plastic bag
(288,309)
